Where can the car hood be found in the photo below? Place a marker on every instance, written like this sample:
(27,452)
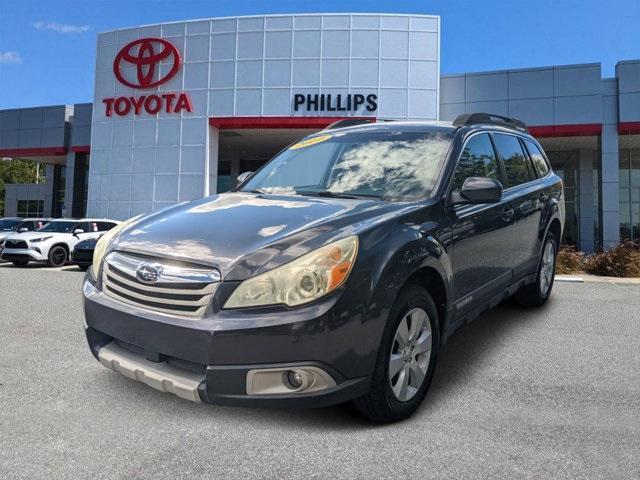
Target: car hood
(36,234)
(242,234)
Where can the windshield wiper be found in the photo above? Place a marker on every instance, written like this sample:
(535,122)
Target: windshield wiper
(330,194)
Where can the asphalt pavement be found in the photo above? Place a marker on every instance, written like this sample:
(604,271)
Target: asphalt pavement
(546,393)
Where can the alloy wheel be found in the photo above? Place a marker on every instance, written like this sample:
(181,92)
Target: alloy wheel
(59,256)
(410,354)
(547,268)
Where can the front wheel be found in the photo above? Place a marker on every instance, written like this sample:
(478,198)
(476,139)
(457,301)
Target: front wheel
(538,292)
(406,358)
(57,256)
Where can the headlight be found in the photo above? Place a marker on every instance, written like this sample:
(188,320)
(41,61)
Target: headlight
(301,281)
(39,239)
(103,243)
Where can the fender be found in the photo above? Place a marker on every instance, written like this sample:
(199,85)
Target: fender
(412,249)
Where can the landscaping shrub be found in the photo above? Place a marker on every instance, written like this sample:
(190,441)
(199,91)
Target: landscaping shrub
(569,261)
(621,261)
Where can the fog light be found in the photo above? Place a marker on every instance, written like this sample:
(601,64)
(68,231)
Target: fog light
(295,379)
(283,381)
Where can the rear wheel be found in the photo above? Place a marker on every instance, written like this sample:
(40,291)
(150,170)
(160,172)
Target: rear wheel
(19,263)
(57,256)
(538,292)
(406,358)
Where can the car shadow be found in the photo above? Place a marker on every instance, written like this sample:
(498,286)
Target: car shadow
(42,266)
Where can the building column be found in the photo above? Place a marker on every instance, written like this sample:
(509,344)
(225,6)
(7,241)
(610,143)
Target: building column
(585,200)
(212,162)
(610,187)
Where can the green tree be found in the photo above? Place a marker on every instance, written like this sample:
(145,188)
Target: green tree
(15,170)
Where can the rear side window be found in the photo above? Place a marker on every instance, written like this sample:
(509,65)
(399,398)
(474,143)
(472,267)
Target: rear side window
(104,226)
(477,160)
(515,163)
(537,158)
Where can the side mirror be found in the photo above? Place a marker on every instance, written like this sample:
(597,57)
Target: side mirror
(478,190)
(23,229)
(77,231)
(243,177)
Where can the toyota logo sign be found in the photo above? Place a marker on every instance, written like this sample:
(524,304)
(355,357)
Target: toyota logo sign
(142,64)
(146,54)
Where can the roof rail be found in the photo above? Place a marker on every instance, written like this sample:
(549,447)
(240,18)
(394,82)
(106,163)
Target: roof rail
(349,122)
(467,119)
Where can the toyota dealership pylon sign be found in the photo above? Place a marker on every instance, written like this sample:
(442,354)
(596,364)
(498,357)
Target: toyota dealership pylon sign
(147,55)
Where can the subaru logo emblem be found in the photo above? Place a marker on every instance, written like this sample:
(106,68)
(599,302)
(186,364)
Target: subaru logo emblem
(147,273)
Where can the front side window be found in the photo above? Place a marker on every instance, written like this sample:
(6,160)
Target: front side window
(476,160)
(515,163)
(59,227)
(539,163)
(104,226)
(385,164)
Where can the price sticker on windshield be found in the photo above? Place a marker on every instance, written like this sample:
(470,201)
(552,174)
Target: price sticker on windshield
(309,141)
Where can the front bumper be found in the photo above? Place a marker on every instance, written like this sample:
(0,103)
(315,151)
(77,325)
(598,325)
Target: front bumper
(11,254)
(82,257)
(209,359)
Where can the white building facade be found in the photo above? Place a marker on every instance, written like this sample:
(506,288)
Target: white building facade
(217,96)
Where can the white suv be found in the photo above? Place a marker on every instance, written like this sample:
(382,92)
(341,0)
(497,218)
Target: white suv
(53,242)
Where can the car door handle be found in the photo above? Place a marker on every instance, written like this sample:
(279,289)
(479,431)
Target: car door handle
(508,214)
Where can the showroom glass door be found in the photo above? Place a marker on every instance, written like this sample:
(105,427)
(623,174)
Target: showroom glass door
(565,165)
(630,194)
(80,185)
(59,183)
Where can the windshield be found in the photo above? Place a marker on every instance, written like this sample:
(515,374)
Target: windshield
(58,227)
(383,164)
(9,225)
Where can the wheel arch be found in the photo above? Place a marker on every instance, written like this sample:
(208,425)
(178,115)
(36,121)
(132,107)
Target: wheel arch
(431,280)
(556,228)
(61,244)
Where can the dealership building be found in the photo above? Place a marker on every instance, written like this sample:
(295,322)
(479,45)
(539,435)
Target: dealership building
(180,109)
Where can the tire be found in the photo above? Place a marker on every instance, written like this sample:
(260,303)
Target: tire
(57,256)
(83,267)
(20,263)
(537,293)
(382,403)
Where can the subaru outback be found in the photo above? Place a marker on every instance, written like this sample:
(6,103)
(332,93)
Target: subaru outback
(334,273)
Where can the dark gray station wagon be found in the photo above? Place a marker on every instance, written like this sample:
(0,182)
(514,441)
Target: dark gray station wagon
(336,272)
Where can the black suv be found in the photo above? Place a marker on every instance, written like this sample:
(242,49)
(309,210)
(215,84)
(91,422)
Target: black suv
(333,273)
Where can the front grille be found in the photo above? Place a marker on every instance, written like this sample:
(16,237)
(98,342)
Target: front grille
(15,244)
(178,290)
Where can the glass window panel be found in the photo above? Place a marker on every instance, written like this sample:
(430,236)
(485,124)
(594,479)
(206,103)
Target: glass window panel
(539,163)
(515,164)
(477,160)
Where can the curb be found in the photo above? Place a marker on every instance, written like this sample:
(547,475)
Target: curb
(569,279)
(598,279)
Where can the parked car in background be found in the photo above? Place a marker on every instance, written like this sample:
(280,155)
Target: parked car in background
(53,243)
(12,225)
(82,253)
(335,272)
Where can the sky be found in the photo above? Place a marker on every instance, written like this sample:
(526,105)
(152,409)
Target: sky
(47,47)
